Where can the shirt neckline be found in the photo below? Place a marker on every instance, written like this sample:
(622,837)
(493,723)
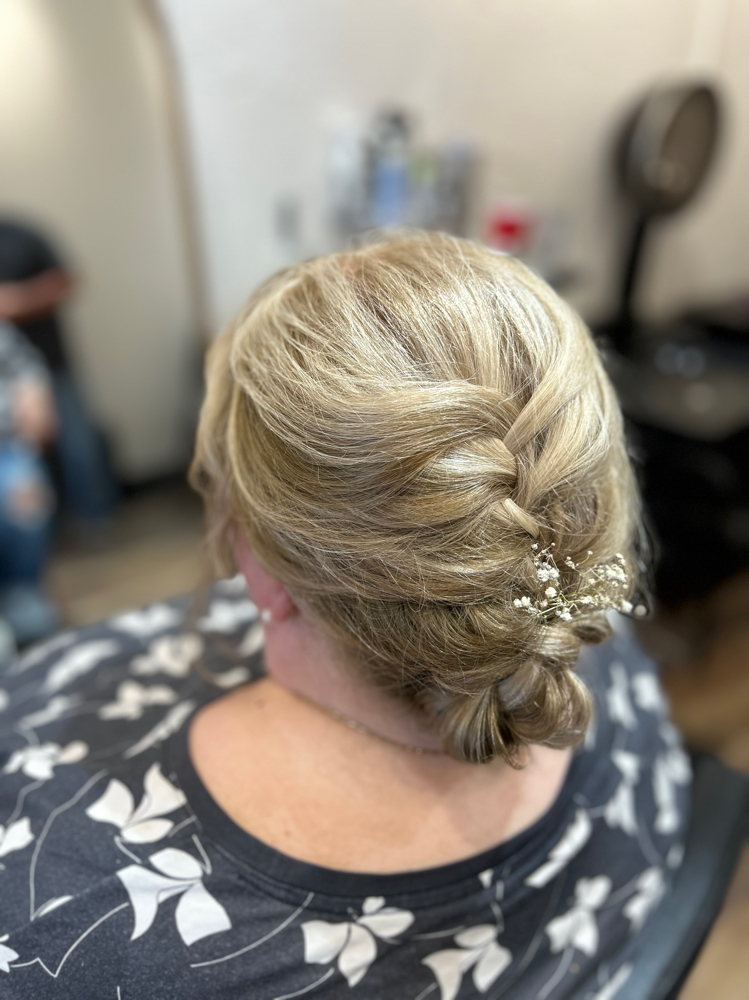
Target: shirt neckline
(293,873)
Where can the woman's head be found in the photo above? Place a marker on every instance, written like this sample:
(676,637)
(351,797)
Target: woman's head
(392,429)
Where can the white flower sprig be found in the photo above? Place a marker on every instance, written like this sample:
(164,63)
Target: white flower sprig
(599,588)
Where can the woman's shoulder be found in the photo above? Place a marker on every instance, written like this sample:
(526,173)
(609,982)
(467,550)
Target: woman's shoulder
(162,641)
(88,805)
(120,670)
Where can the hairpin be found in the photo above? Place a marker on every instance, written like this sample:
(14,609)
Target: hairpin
(599,588)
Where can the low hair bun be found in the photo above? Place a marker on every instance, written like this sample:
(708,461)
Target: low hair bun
(542,701)
(476,727)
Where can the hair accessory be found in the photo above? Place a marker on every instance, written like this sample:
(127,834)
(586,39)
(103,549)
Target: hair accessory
(266,616)
(598,588)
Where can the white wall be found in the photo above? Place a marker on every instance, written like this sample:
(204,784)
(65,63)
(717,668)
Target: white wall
(85,154)
(540,86)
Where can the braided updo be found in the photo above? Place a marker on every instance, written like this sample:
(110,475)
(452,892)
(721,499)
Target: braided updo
(392,428)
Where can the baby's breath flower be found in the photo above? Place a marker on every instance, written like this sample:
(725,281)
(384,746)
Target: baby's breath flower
(615,574)
(546,573)
(596,588)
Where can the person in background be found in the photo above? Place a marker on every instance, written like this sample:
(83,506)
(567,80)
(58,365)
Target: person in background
(27,424)
(33,285)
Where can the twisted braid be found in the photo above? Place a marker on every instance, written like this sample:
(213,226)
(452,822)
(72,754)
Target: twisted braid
(392,428)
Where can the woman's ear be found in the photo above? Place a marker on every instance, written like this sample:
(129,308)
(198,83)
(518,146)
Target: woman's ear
(269,594)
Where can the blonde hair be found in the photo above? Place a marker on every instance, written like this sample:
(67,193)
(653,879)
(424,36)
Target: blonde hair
(392,428)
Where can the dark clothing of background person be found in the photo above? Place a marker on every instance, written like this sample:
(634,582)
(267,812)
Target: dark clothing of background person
(25,255)
(30,268)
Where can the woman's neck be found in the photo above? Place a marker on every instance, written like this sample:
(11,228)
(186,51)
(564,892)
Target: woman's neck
(288,772)
(302,659)
(317,791)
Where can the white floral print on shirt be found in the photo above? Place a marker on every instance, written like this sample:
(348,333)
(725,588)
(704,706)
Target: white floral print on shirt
(477,949)
(572,842)
(170,654)
(620,809)
(132,698)
(651,887)
(39,761)
(55,708)
(577,927)
(178,873)
(147,621)
(7,955)
(226,616)
(145,824)
(353,942)
(670,769)
(17,836)
(78,661)
(617,698)
(648,694)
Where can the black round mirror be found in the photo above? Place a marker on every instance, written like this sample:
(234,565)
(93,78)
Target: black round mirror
(663,155)
(667,146)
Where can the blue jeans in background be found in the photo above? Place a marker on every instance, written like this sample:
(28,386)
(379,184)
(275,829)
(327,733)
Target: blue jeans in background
(90,491)
(26,509)
(25,531)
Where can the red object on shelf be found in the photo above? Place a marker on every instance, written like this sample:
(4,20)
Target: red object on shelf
(509,228)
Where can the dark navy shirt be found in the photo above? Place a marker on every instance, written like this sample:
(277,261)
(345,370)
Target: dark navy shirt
(122,879)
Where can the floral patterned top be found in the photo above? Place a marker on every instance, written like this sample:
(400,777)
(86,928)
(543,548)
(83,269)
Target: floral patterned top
(121,879)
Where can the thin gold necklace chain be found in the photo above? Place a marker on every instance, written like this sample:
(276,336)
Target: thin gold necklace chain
(359,727)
